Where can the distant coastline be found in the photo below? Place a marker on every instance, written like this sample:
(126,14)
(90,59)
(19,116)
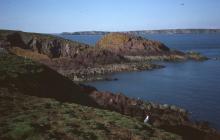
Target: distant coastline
(140,32)
(86,33)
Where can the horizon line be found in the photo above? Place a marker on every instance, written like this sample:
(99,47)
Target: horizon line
(112,31)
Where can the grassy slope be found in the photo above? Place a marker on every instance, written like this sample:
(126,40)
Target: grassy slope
(35,79)
(30,117)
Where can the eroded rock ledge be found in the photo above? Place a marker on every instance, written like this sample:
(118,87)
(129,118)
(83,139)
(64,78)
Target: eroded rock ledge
(115,52)
(101,72)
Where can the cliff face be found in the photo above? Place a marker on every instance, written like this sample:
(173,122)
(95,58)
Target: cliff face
(53,47)
(128,44)
(75,59)
(53,51)
(58,53)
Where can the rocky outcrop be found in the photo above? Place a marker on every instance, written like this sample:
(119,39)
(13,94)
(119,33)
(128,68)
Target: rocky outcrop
(116,52)
(78,61)
(53,47)
(136,48)
(101,72)
(160,114)
(56,49)
(168,117)
(195,56)
(128,44)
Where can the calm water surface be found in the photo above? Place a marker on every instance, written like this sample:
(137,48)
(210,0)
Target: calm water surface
(192,85)
(88,39)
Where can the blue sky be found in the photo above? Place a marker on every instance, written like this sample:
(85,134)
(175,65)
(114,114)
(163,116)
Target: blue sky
(54,16)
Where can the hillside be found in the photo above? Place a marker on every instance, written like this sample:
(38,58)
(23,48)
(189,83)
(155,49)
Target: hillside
(25,116)
(26,113)
(29,117)
(29,77)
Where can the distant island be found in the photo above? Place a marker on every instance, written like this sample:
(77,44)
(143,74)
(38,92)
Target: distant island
(86,33)
(140,32)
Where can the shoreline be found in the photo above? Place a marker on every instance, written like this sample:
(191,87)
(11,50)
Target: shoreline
(135,63)
(102,72)
(34,79)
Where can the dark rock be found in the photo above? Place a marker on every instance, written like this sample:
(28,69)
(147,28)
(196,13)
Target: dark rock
(82,62)
(196,56)
(128,44)
(110,79)
(3,51)
(17,39)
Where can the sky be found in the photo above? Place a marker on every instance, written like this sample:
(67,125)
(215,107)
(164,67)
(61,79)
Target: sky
(55,16)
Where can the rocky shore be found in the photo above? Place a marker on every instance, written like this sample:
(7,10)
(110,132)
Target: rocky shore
(172,57)
(30,93)
(167,117)
(115,52)
(101,72)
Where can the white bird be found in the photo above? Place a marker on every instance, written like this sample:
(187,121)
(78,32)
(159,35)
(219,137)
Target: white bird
(146,119)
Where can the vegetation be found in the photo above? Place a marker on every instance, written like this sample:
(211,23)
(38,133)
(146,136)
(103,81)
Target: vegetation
(11,66)
(28,117)
(34,118)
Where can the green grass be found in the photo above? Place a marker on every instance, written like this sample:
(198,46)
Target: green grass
(32,118)
(20,131)
(12,66)
(41,118)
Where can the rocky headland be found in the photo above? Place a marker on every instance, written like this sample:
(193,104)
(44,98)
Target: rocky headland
(136,48)
(115,52)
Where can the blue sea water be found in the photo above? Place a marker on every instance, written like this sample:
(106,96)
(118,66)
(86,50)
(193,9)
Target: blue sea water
(87,39)
(191,85)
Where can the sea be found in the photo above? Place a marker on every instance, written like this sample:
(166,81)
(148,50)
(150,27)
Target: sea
(192,85)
